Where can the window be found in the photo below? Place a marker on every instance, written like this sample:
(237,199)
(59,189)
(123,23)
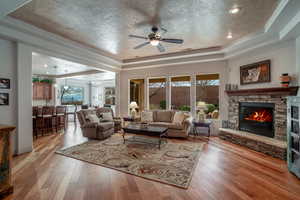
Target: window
(137,91)
(72,95)
(157,93)
(207,90)
(180,93)
(110,96)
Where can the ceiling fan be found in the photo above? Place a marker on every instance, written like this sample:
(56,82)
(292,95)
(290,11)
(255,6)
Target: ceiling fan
(155,39)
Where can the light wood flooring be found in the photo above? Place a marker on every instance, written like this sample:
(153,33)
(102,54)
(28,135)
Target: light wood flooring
(225,171)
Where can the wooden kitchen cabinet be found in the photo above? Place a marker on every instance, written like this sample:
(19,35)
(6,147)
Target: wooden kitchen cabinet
(42,91)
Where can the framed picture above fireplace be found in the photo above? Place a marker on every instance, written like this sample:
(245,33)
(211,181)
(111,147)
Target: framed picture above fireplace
(259,72)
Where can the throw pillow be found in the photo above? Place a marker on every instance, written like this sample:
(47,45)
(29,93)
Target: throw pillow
(93,118)
(147,116)
(107,117)
(179,117)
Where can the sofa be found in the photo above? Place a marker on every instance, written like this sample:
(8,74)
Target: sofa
(165,118)
(94,130)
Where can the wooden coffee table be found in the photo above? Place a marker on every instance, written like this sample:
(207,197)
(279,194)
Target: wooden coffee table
(145,130)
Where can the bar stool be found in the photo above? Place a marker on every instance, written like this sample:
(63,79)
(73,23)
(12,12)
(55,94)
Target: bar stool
(60,118)
(47,118)
(34,121)
(71,110)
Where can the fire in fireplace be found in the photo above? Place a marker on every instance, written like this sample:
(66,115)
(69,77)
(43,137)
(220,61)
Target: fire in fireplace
(257,118)
(262,115)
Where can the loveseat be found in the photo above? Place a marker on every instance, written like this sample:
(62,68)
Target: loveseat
(165,118)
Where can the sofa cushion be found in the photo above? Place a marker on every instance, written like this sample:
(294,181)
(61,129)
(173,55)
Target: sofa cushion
(164,116)
(179,117)
(147,116)
(168,125)
(87,112)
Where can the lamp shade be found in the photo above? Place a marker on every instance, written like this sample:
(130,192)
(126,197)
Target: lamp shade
(201,104)
(133,104)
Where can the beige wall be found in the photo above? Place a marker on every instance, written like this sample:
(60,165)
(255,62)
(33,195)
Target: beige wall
(219,67)
(283,60)
(8,69)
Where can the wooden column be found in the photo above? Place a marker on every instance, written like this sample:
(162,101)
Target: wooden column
(6,187)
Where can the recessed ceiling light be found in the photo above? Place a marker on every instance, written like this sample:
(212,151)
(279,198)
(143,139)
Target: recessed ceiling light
(45,65)
(229,36)
(47,72)
(234,10)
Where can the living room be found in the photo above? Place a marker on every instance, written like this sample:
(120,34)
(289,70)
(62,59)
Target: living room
(206,100)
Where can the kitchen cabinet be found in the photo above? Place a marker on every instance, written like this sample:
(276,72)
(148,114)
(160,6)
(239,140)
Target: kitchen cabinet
(41,91)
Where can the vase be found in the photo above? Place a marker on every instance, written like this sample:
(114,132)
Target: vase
(285,80)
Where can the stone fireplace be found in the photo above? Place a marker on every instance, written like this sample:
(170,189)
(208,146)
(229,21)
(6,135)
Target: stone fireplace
(257,119)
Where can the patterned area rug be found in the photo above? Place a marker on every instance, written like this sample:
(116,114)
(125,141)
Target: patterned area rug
(173,164)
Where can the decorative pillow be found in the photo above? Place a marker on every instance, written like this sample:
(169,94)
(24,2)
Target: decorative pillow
(93,118)
(147,116)
(86,113)
(107,117)
(179,117)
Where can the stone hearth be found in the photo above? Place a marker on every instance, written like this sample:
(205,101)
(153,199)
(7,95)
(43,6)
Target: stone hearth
(269,146)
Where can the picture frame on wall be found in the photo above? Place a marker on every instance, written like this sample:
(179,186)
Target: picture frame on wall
(4,99)
(259,72)
(4,83)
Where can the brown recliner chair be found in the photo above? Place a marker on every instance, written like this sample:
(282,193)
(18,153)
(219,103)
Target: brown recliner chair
(90,130)
(117,120)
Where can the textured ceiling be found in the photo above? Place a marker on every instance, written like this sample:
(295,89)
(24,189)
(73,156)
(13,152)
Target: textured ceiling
(105,24)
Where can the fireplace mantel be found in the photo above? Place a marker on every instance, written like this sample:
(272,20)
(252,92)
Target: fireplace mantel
(276,91)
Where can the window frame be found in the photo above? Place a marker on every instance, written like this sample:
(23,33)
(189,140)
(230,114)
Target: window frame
(148,91)
(170,90)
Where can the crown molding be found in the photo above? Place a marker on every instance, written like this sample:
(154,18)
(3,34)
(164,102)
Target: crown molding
(43,41)
(292,29)
(175,55)
(8,6)
(174,64)
(270,23)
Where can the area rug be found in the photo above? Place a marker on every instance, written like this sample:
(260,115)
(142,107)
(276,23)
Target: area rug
(173,164)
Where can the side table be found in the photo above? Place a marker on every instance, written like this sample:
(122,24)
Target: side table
(130,119)
(202,125)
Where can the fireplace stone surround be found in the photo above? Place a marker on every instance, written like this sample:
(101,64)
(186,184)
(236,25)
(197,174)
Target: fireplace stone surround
(275,146)
(280,112)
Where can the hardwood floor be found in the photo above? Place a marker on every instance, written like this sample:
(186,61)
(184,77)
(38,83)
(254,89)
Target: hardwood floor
(224,171)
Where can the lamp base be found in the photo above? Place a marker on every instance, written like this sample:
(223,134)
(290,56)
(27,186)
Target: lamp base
(133,113)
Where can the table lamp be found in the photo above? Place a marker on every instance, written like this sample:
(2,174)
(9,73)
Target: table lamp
(201,106)
(133,105)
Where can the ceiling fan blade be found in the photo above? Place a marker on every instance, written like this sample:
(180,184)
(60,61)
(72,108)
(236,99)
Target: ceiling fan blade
(177,41)
(161,48)
(137,36)
(141,45)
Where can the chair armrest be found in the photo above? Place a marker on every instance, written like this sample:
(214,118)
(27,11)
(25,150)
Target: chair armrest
(117,118)
(188,123)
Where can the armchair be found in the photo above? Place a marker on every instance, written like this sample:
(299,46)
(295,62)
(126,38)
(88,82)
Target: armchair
(94,130)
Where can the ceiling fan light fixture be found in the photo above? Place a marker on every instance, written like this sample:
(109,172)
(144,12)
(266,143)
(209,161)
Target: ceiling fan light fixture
(154,42)
(229,36)
(235,10)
